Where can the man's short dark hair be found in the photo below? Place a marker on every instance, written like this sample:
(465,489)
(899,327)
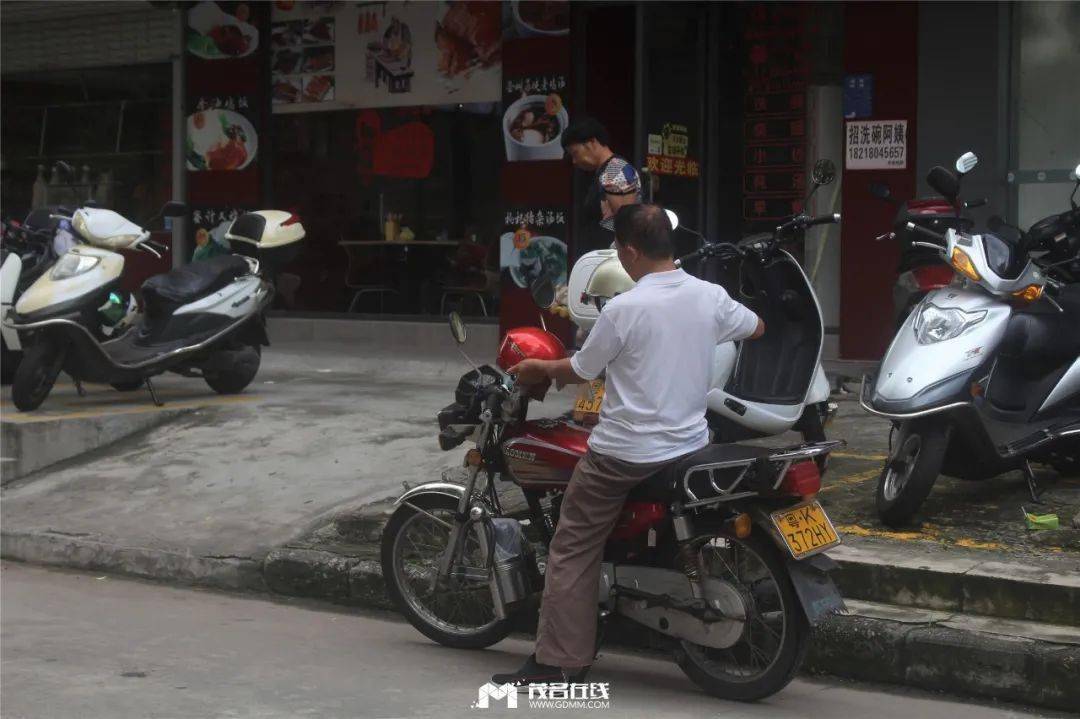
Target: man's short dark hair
(584,129)
(645,228)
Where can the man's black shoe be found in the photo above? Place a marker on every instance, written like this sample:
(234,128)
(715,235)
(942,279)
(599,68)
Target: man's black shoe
(533,672)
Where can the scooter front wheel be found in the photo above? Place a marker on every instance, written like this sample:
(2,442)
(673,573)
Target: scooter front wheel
(909,474)
(37,373)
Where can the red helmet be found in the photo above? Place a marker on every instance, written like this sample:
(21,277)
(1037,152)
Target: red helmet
(529,343)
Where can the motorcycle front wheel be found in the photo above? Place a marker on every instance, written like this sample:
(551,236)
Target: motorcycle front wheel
(909,474)
(777,633)
(37,373)
(457,613)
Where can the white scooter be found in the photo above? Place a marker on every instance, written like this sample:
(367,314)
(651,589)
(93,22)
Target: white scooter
(984,375)
(761,388)
(204,319)
(26,252)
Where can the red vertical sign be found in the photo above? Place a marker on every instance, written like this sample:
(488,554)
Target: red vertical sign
(226,110)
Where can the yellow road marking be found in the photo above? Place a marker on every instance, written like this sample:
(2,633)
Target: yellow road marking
(130,409)
(850,479)
(853,455)
(926,534)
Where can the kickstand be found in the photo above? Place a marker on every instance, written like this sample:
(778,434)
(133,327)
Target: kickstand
(1033,484)
(153,394)
(79,388)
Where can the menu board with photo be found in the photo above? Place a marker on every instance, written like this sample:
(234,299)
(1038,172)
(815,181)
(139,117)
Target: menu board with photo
(208,227)
(533,245)
(226,105)
(534,116)
(337,55)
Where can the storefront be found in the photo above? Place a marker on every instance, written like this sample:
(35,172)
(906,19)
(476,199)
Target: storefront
(419,142)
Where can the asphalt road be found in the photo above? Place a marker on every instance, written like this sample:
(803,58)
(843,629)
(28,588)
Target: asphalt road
(78,645)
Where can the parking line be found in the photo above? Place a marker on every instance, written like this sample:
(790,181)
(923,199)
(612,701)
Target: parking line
(20,418)
(853,455)
(850,479)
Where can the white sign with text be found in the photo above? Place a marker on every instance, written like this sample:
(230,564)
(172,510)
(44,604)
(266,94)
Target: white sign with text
(875,145)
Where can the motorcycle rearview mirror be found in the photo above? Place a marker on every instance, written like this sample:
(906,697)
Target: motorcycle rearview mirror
(944,182)
(824,172)
(543,292)
(673,219)
(966,163)
(457,328)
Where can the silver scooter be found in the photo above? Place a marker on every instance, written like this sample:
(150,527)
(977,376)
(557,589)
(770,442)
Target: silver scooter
(984,375)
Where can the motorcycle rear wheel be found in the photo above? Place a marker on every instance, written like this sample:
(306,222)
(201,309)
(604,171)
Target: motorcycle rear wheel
(777,635)
(463,616)
(37,373)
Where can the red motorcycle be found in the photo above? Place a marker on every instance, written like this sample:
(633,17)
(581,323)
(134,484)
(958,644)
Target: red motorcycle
(720,554)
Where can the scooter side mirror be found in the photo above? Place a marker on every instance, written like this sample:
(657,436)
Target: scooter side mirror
(966,163)
(672,218)
(457,328)
(880,190)
(944,182)
(824,172)
(174,209)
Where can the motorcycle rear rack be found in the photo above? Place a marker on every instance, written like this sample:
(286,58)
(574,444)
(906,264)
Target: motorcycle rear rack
(781,460)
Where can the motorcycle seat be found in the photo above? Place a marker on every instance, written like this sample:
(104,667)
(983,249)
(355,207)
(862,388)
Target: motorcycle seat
(163,293)
(660,486)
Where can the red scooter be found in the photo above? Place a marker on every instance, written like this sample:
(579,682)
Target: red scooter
(720,554)
(921,270)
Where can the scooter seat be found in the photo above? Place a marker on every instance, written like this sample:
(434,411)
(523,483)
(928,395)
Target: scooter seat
(162,294)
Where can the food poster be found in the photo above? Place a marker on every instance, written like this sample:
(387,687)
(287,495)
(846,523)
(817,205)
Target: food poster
(534,116)
(533,246)
(226,103)
(339,55)
(207,230)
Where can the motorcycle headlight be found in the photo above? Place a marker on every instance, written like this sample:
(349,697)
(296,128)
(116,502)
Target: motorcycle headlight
(937,324)
(71,264)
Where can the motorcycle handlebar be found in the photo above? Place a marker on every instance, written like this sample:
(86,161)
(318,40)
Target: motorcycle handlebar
(937,237)
(824,219)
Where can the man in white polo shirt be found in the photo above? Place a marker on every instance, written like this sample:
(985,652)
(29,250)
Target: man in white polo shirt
(656,343)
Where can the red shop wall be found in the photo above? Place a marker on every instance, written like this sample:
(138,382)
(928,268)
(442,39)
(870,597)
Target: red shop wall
(880,39)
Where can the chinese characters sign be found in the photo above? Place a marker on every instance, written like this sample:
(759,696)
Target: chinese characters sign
(875,145)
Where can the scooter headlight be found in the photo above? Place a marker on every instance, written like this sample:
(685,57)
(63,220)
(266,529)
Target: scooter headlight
(936,324)
(71,264)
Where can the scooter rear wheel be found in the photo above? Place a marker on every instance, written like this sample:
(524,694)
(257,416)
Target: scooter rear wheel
(243,365)
(37,373)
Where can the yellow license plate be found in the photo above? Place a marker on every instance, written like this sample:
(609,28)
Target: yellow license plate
(590,397)
(806,529)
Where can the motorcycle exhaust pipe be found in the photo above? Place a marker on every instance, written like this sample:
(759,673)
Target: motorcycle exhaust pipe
(509,555)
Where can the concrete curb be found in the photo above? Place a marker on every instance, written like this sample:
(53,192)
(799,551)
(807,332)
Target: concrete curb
(960,582)
(33,445)
(77,552)
(922,654)
(919,655)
